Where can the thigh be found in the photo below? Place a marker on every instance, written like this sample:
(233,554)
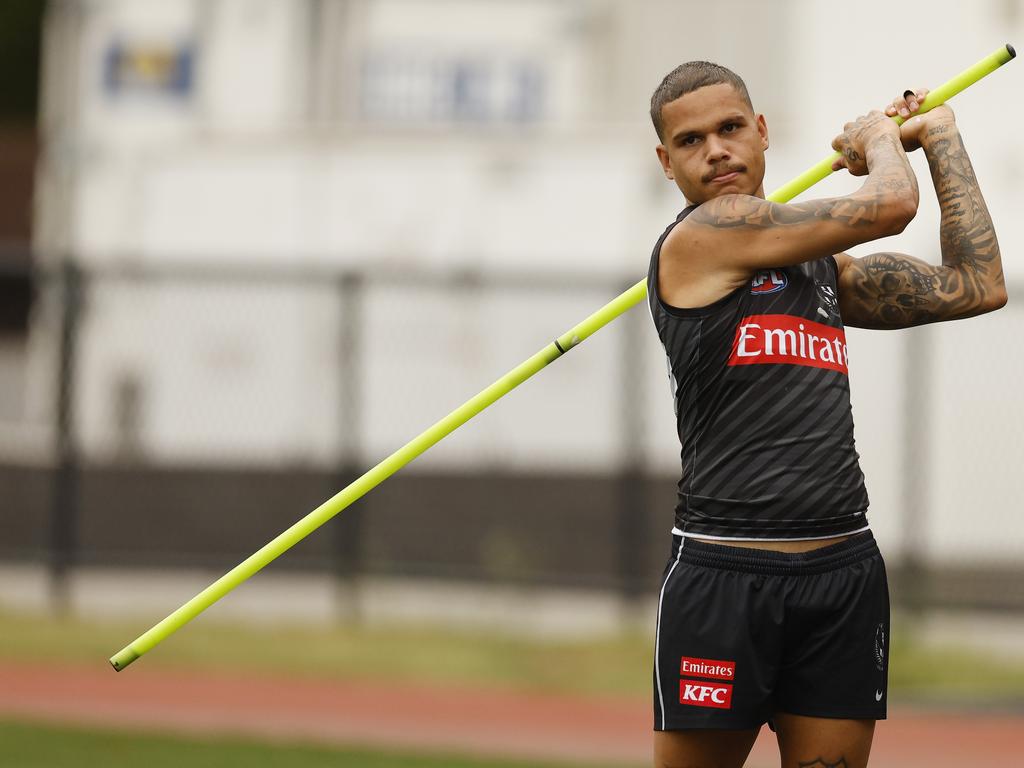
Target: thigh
(819,742)
(703,748)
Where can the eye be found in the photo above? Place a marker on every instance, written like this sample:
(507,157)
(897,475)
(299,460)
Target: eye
(730,127)
(689,141)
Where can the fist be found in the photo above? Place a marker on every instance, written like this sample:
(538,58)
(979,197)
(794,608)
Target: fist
(915,126)
(852,143)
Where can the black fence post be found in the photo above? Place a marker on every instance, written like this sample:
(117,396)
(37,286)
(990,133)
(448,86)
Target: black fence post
(65,499)
(633,520)
(917,391)
(348,534)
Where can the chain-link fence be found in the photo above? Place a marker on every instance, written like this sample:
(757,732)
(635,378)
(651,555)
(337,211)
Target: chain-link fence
(177,416)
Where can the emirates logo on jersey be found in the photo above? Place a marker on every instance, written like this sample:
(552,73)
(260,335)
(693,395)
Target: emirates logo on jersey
(788,340)
(768,281)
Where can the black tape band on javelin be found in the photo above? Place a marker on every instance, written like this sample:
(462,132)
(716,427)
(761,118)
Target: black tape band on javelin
(559,347)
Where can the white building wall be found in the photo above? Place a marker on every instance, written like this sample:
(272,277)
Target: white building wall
(276,157)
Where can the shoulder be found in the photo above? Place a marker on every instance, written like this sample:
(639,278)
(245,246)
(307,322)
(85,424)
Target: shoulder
(726,211)
(842,260)
(844,266)
(692,273)
(693,229)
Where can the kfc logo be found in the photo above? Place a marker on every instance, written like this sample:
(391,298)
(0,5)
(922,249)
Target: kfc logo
(702,694)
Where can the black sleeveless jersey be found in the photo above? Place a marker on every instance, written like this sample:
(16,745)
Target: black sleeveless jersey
(762,401)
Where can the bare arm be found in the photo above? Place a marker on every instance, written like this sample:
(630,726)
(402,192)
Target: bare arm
(893,290)
(737,234)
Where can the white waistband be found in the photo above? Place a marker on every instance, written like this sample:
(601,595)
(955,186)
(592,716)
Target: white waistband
(677,532)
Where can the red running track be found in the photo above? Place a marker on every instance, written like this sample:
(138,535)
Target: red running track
(420,718)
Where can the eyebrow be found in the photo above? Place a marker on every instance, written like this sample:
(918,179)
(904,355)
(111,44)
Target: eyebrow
(685,134)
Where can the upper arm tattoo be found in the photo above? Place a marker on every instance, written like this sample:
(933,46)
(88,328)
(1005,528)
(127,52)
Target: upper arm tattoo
(893,290)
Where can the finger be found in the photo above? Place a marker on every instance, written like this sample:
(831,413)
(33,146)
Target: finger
(912,101)
(901,104)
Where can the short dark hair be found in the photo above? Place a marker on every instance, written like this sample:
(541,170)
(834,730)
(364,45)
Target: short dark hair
(689,77)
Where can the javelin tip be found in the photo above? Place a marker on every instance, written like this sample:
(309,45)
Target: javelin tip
(123,658)
(1009,50)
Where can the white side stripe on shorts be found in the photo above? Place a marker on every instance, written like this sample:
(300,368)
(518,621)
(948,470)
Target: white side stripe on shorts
(657,633)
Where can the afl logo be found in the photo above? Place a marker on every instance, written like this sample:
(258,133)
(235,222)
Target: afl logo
(768,281)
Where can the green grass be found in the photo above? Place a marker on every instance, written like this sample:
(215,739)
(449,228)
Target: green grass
(34,746)
(920,672)
(617,666)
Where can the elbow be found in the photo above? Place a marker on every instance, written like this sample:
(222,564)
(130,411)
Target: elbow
(899,212)
(996,299)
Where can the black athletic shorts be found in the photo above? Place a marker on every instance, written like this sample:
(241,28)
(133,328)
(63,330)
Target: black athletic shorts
(745,633)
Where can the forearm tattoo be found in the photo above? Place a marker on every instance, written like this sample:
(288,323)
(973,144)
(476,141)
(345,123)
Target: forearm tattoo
(891,171)
(891,175)
(751,213)
(891,290)
(966,233)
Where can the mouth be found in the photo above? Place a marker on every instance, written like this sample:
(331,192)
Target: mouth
(725,178)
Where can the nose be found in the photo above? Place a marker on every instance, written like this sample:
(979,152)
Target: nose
(716,149)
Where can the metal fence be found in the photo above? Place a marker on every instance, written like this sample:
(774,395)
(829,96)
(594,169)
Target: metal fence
(185,414)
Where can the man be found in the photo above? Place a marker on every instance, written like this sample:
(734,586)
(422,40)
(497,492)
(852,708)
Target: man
(774,606)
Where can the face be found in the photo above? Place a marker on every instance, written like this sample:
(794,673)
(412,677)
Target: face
(714,144)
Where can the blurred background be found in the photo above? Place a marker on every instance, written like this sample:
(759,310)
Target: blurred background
(248,248)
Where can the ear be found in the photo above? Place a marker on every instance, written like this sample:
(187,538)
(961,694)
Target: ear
(666,168)
(762,129)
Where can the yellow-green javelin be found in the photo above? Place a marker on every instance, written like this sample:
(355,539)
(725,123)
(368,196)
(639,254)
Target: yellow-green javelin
(497,390)
(940,95)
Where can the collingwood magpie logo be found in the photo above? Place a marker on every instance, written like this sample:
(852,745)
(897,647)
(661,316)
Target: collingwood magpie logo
(880,647)
(829,306)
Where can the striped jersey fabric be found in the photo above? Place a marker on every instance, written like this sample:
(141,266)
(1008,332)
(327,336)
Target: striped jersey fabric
(762,400)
